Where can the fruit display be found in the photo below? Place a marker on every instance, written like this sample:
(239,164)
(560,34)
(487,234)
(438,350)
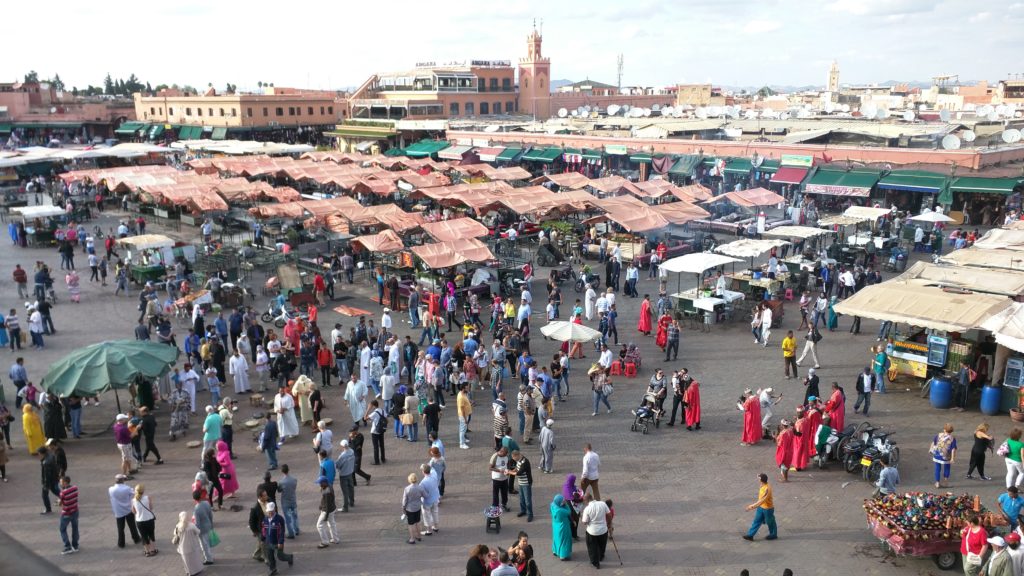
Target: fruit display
(926,515)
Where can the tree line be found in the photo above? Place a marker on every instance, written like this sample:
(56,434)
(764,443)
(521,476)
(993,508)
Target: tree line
(119,86)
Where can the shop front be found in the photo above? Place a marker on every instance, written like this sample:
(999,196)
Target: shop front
(912,190)
(835,190)
(977,201)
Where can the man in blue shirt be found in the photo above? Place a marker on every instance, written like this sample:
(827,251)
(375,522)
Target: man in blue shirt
(221,326)
(235,327)
(1011,503)
(272,537)
(432,492)
(434,349)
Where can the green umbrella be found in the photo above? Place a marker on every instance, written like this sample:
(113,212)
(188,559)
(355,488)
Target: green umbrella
(109,365)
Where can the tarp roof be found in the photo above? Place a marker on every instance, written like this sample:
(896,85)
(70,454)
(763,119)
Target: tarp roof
(749,247)
(611,184)
(146,242)
(992,281)
(445,254)
(456,229)
(795,232)
(1008,326)
(923,306)
(680,213)
(696,262)
(386,242)
(1000,238)
(631,214)
(571,180)
(30,212)
(652,188)
(750,198)
(692,193)
(1008,259)
(389,215)
(866,212)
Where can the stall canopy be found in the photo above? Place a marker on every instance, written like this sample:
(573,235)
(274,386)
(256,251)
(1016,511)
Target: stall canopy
(510,154)
(749,247)
(789,175)
(1006,259)
(696,262)
(146,242)
(685,165)
(692,193)
(795,232)
(751,198)
(839,220)
(454,230)
(489,154)
(1001,282)
(632,214)
(543,155)
(612,184)
(925,307)
(454,152)
(680,213)
(33,212)
(445,254)
(866,212)
(386,242)
(425,148)
(977,185)
(856,183)
(570,180)
(998,238)
(914,181)
(1008,327)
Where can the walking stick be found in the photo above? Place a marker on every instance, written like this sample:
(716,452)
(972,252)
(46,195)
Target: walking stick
(616,547)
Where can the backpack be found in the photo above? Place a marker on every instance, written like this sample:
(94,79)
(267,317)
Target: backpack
(815,336)
(382,423)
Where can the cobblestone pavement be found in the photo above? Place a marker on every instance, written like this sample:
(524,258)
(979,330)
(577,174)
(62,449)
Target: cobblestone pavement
(679,495)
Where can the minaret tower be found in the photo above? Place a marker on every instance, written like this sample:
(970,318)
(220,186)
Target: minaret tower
(535,78)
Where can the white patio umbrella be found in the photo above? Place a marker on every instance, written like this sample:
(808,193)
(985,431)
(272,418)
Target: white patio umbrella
(932,217)
(569,332)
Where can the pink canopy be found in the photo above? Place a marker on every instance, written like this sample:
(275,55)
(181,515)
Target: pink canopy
(457,229)
(445,254)
(386,242)
(751,198)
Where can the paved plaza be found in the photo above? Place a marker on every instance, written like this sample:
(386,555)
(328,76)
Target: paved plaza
(679,496)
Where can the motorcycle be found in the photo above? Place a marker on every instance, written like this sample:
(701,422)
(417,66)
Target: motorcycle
(871,459)
(281,315)
(835,444)
(875,444)
(583,279)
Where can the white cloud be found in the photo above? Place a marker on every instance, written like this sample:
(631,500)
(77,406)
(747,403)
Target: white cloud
(882,7)
(979,17)
(761,26)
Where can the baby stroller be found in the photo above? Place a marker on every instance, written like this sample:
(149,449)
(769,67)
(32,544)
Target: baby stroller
(646,414)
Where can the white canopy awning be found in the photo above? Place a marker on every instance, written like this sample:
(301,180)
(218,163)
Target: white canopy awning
(696,262)
(1008,327)
(795,232)
(923,306)
(146,242)
(31,212)
(749,247)
(866,212)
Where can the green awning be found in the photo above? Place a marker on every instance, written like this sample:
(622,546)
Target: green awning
(190,133)
(156,131)
(769,166)
(592,154)
(5,128)
(509,154)
(545,155)
(914,181)
(708,161)
(738,166)
(572,151)
(976,185)
(842,183)
(685,165)
(395,152)
(616,149)
(426,148)
(362,132)
(641,157)
(129,128)
(219,133)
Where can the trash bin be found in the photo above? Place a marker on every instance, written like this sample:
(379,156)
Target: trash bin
(941,395)
(991,398)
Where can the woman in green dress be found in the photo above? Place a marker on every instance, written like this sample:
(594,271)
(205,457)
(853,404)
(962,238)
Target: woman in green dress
(833,318)
(561,529)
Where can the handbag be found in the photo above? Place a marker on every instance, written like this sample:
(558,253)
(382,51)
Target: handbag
(407,419)
(607,390)
(1004,449)
(224,476)
(214,539)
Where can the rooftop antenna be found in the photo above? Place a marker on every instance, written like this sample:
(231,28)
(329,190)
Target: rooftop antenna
(619,68)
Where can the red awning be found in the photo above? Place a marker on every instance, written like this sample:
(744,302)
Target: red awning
(789,175)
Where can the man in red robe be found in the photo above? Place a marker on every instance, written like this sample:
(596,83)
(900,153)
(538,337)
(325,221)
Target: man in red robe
(643,324)
(836,407)
(784,450)
(801,430)
(751,418)
(661,338)
(813,417)
(691,398)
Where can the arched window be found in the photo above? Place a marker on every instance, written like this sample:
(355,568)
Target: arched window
(541,81)
(526,82)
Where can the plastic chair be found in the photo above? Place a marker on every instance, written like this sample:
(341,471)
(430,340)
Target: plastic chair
(616,369)
(789,294)
(630,370)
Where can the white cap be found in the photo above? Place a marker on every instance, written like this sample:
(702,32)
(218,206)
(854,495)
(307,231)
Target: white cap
(549,423)
(271,507)
(997,541)
(344,443)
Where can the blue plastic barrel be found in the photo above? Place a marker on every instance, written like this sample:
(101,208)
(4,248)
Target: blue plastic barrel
(991,398)
(941,393)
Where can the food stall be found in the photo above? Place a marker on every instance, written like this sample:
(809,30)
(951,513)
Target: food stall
(754,282)
(40,222)
(696,263)
(150,255)
(942,324)
(923,524)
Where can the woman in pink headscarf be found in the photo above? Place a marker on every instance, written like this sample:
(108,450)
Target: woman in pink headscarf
(228,479)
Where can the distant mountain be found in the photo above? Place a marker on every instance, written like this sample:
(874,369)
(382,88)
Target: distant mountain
(556,84)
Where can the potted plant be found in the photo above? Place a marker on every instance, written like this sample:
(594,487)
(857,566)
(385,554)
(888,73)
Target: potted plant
(1017,414)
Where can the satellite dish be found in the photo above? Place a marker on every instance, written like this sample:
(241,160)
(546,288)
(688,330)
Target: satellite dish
(656,108)
(783,116)
(845,107)
(802,114)
(733,132)
(944,115)
(701,113)
(1011,136)
(667,111)
(715,111)
(624,108)
(829,108)
(882,114)
(586,109)
(562,112)
(613,109)
(575,113)
(1001,110)
(992,116)
(869,111)
(984,110)
(922,108)
(733,113)
(647,112)
(950,142)
(969,136)
(756,161)
(53,109)
(750,114)
(677,113)
(908,116)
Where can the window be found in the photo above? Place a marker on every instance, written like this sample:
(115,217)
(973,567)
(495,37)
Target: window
(453,109)
(494,84)
(279,111)
(481,85)
(496,108)
(469,109)
(485,108)
(248,112)
(161,111)
(265,113)
(309,110)
(330,109)
(199,111)
(234,112)
(291,110)
(210,110)
(170,111)
(526,82)
(321,111)
(541,81)
(506,84)
(509,107)
(152,111)
(188,111)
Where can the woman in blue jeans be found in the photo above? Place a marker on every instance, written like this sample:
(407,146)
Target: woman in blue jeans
(599,380)
(943,451)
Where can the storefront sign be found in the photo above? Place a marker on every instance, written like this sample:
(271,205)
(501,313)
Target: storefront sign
(616,149)
(797,160)
(836,190)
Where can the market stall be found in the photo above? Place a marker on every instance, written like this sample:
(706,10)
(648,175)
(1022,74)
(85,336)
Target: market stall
(756,283)
(40,222)
(149,256)
(976,257)
(696,263)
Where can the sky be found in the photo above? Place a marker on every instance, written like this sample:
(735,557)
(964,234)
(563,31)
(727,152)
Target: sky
(338,44)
